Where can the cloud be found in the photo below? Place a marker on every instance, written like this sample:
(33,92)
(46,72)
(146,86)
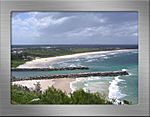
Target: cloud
(73,27)
(37,23)
(125,29)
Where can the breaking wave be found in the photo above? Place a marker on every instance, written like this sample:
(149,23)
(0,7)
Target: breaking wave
(114,91)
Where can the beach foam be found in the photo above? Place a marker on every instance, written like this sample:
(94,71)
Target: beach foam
(114,91)
(90,84)
(124,70)
(91,60)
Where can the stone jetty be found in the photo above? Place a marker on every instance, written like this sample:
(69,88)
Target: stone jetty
(50,69)
(87,74)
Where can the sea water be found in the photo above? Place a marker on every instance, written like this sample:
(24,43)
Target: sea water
(119,87)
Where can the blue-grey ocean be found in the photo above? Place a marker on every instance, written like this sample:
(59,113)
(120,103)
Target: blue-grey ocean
(120,87)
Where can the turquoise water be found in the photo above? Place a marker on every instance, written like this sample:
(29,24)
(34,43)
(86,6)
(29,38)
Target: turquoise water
(121,87)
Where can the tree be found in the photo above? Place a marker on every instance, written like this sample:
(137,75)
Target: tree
(37,87)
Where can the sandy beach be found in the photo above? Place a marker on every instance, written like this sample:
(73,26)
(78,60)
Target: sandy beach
(107,86)
(61,83)
(43,62)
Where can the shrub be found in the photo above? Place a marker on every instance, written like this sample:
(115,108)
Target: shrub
(81,97)
(22,95)
(54,96)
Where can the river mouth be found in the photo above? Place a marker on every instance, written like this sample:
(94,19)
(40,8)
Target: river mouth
(125,87)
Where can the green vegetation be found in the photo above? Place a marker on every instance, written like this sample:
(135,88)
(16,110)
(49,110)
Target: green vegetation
(22,95)
(51,52)
(15,63)
(19,58)
(54,96)
(81,97)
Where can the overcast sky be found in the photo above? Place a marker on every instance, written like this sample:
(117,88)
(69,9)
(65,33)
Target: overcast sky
(74,28)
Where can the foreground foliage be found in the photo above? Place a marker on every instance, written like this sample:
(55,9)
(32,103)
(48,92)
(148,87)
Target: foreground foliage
(22,95)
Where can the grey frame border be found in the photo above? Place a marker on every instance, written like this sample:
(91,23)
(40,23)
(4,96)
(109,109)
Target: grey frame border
(141,6)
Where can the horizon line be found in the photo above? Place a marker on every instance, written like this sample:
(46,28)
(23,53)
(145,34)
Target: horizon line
(73,44)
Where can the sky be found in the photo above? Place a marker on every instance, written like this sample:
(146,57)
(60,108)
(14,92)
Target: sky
(74,28)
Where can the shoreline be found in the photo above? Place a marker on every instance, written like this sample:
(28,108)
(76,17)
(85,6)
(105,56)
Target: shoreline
(103,87)
(62,83)
(42,62)
(68,89)
(65,83)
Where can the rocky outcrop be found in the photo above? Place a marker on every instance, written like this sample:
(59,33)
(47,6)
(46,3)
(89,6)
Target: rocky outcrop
(50,69)
(87,74)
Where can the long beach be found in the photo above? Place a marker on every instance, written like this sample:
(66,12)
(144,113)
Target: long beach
(43,62)
(62,84)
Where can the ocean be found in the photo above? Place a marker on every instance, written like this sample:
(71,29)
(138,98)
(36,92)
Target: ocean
(120,87)
(76,46)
